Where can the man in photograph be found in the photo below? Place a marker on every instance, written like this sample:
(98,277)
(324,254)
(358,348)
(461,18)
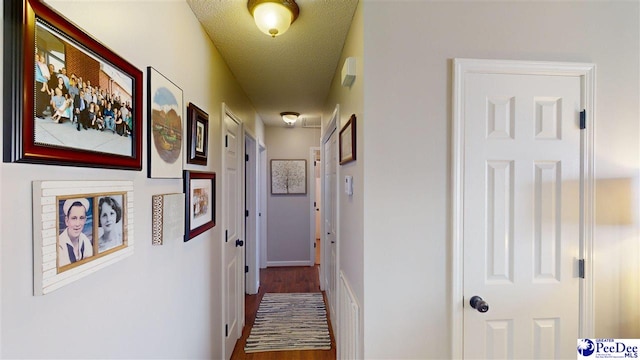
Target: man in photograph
(73,244)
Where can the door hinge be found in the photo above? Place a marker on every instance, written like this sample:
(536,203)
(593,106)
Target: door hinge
(314,244)
(581,268)
(583,119)
(314,204)
(246,213)
(246,269)
(315,163)
(226,141)
(226,330)
(246,157)
(226,235)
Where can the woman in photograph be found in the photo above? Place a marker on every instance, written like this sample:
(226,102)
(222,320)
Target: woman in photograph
(62,110)
(110,215)
(57,102)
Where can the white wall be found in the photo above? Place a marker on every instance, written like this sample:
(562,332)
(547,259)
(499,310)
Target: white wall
(408,49)
(161,302)
(351,208)
(288,216)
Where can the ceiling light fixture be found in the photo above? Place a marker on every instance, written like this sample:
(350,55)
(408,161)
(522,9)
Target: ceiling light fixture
(273,17)
(290,117)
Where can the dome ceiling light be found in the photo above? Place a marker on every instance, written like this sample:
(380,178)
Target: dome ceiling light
(290,117)
(273,17)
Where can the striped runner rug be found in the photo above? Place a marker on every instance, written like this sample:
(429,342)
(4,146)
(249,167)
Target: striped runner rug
(289,321)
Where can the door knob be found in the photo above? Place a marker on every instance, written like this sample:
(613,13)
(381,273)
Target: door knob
(477,303)
(239,243)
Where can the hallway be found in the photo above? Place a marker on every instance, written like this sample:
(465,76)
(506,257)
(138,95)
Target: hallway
(282,280)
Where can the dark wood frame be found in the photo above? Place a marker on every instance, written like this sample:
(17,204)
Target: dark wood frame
(348,128)
(188,177)
(196,116)
(19,90)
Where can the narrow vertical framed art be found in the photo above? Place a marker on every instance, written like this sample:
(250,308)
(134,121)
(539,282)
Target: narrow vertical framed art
(165,126)
(347,140)
(197,135)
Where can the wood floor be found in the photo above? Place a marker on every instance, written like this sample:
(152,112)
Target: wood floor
(283,280)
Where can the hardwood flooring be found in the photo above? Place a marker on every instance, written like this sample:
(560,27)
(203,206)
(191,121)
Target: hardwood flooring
(283,280)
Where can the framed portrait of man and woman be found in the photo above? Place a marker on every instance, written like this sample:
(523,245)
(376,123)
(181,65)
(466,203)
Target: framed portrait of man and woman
(89,226)
(79,227)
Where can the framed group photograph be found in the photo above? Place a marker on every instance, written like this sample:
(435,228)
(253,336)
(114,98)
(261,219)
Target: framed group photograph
(164,135)
(288,177)
(347,139)
(197,135)
(200,202)
(79,227)
(70,99)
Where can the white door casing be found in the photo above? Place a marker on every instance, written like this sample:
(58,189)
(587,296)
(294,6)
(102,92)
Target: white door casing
(522,207)
(314,203)
(252,235)
(233,259)
(262,207)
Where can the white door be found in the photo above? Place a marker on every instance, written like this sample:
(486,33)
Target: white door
(233,254)
(330,218)
(522,191)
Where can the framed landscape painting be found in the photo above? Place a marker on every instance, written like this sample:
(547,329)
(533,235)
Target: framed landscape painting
(62,81)
(165,130)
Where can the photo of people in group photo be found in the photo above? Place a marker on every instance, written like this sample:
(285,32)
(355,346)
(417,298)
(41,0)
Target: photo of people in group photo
(80,101)
(89,227)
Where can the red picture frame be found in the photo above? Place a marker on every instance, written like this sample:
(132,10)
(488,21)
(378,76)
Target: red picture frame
(30,27)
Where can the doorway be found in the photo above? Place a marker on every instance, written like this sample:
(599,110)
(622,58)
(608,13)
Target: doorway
(523,200)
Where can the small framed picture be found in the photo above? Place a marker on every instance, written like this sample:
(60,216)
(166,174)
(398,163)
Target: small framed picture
(348,141)
(198,135)
(200,202)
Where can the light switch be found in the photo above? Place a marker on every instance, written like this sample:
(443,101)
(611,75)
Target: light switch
(348,185)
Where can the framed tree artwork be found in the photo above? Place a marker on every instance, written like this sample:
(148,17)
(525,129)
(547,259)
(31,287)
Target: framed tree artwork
(288,177)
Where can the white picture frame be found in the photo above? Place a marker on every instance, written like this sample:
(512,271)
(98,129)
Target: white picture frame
(104,210)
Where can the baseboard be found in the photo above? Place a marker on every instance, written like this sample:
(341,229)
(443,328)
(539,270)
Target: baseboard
(289,263)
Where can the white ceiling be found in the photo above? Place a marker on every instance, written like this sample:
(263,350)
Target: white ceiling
(292,72)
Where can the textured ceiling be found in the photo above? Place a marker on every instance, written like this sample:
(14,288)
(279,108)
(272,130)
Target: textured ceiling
(291,72)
